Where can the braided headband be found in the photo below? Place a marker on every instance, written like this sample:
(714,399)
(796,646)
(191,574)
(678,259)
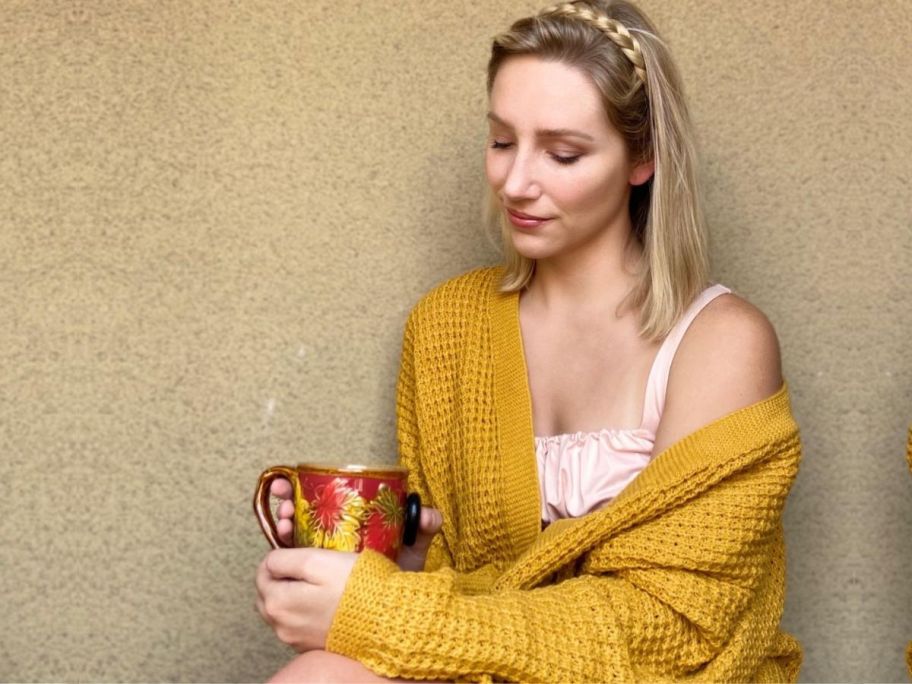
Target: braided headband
(612,28)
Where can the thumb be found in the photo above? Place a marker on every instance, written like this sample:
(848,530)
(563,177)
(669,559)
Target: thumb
(412,558)
(431,521)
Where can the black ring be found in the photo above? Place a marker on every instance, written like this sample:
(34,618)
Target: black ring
(412,519)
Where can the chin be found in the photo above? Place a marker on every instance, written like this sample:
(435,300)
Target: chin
(531,246)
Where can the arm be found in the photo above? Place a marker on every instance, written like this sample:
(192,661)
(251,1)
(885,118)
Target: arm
(694,585)
(728,359)
(694,588)
(419,625)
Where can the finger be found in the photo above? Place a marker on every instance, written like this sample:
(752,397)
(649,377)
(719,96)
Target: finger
(281,488)
(286,509)
(285,528)
(263,578)
(272,592)
(260,607)
(298,564)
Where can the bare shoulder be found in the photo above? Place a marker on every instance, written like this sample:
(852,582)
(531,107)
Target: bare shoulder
(728,359)
(733,341)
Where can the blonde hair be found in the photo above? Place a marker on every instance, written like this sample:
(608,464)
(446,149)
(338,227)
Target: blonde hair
(616,45)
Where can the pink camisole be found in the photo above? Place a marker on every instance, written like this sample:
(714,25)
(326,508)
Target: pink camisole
(582,471)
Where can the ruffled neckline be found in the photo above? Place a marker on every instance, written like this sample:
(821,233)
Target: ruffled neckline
(582,435)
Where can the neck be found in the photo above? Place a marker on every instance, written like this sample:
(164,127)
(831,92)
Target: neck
(597,277)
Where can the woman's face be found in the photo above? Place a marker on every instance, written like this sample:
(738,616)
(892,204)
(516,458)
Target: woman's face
(553,155)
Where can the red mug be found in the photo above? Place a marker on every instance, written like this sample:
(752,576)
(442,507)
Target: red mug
(347,508)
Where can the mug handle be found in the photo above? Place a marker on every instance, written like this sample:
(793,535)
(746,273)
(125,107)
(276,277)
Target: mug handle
(412,519)
(261,502)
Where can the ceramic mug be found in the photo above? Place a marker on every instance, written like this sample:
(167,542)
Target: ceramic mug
(347,508)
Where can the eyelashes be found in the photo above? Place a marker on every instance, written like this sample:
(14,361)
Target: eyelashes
(560,159)
(564,160)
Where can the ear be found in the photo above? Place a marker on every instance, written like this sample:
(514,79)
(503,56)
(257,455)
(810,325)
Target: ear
(641,173)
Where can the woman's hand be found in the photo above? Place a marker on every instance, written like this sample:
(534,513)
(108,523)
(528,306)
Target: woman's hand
(298,592)
(411,558)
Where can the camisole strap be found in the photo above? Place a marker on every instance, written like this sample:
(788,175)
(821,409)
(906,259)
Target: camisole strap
(657,383)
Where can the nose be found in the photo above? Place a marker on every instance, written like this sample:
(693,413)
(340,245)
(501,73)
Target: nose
(521,182)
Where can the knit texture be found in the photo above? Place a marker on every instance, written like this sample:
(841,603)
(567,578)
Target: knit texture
(909,658)
(681,577)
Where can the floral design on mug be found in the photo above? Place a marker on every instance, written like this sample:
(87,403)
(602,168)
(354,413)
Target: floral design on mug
(336,514)
(303,529)
(383,528)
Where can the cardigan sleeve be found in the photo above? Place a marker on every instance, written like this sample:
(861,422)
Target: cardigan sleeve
(697,589)
(419,625)
(649,623)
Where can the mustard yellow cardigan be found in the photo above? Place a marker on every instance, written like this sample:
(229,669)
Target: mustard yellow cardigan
(681,577)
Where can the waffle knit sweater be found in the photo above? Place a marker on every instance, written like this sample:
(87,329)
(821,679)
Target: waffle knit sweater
(681,577)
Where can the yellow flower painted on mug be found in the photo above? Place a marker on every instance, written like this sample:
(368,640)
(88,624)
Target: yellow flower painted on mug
(303,528)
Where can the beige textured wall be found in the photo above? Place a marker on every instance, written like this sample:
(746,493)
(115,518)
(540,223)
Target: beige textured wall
(214,217)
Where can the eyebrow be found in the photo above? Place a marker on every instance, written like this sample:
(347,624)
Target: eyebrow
(546,132)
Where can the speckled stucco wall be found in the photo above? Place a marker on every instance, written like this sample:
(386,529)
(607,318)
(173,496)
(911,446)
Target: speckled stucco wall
(214,217)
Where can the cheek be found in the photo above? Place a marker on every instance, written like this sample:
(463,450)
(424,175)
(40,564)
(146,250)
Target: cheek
(596,195)
(575,193)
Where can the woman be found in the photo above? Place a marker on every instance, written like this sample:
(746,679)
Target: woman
(532,396)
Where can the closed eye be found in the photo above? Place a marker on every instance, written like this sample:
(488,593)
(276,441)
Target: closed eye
(560,159)
(565,160)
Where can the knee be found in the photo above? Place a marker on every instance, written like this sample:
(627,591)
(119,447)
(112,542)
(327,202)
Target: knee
(307,667)
(319,667)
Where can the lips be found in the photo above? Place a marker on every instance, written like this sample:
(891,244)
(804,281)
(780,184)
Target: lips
(523,220)
(529,217)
